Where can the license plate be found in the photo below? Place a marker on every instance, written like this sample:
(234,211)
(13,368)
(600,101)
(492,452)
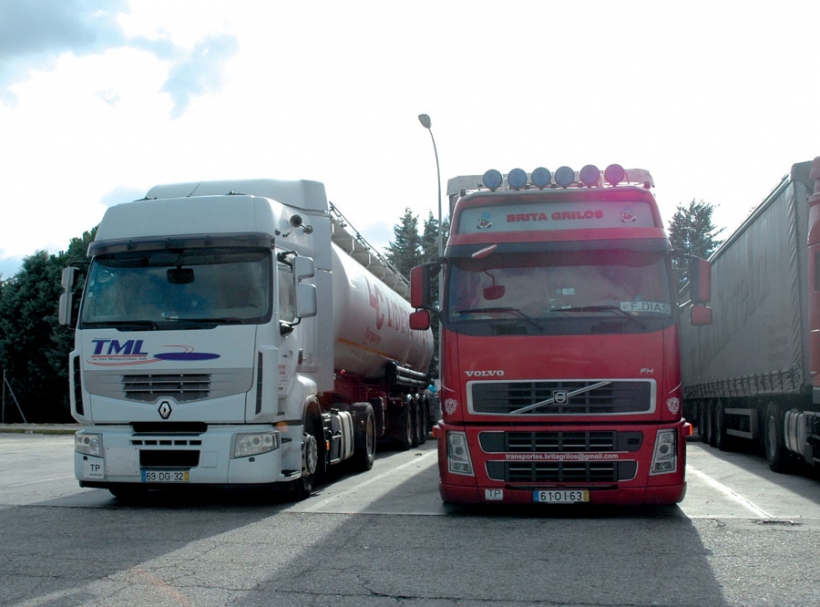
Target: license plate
(562,496)
(165,476)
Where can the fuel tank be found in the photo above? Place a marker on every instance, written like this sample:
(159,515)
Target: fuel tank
(371,323)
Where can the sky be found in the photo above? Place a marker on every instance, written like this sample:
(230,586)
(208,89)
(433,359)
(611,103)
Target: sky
(102,99)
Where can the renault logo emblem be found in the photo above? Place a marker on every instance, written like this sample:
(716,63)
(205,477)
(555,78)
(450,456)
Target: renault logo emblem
(165,409)
(560,397)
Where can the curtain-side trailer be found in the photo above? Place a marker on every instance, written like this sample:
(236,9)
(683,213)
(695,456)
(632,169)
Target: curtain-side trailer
(753,373)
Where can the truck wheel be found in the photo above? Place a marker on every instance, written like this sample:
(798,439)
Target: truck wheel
(303,487)
(776,454)
(403,426)
(721,438)
(416,422)
(364,453)
(423,407)
(702,422)
(710,424)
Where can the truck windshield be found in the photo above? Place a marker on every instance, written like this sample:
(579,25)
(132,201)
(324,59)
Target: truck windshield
(536,288)
(165,289)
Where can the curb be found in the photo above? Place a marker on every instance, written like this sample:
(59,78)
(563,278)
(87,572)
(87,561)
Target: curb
(65,429)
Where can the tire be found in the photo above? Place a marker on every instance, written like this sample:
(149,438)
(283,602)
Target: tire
(710,424)
(721,438)
(365,440)
(424,407)
(702,422)
(416,422)
(776,454)
(312,453)
(403,426)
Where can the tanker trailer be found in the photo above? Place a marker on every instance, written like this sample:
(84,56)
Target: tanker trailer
(235,333)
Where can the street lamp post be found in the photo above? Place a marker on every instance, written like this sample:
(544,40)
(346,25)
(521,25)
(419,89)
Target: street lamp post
(425,122)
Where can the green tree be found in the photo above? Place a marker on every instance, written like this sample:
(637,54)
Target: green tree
(692,233)
(34,347)
(29,303)
(429,239)
(405,252)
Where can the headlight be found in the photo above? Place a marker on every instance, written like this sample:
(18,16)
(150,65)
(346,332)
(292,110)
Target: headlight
(665,457)
(458,454)
(255,443)
(88,443)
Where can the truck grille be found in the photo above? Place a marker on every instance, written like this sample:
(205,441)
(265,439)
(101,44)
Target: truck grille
(562,472)
(560,442)
(180,387)
(583,397)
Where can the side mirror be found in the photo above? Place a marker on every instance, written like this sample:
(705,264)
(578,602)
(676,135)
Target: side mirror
(700,315)
(303,268)
(700,280)
(420,320)
(306,302)
(421,285)
(65,313)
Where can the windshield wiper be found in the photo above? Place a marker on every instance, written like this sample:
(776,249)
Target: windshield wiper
(501,310)
(124,325)
(605,308)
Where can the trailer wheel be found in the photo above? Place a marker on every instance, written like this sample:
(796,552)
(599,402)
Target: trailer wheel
(403,426)
(776,454)
(702,408)
(719,432)
(708,423)
(365,440)
(424,406)
(417,422)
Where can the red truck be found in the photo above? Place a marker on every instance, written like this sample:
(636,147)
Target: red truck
(560,375)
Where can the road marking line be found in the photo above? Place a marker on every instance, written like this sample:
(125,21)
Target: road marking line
(45,480)
(369,481)
(728,492)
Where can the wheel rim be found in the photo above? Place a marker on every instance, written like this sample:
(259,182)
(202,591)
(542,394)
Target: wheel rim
(311,455)
(370,436)
(771,437)
(409,426)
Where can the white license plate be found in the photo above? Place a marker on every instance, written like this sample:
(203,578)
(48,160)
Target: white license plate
(165,476)
(561,496)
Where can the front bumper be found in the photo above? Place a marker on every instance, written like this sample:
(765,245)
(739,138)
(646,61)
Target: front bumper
(206,457)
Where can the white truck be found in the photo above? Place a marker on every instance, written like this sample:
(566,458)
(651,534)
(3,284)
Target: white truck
(235,332)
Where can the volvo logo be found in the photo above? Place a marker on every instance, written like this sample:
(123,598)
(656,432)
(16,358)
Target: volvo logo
(165,409)
(560,397)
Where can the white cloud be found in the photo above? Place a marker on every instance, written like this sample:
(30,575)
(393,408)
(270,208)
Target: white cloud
(155,92)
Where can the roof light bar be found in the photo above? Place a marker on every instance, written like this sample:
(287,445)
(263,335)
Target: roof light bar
(590,175)
(541,177)
(614,174)
(492,179)
(517,178)
(564,176)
